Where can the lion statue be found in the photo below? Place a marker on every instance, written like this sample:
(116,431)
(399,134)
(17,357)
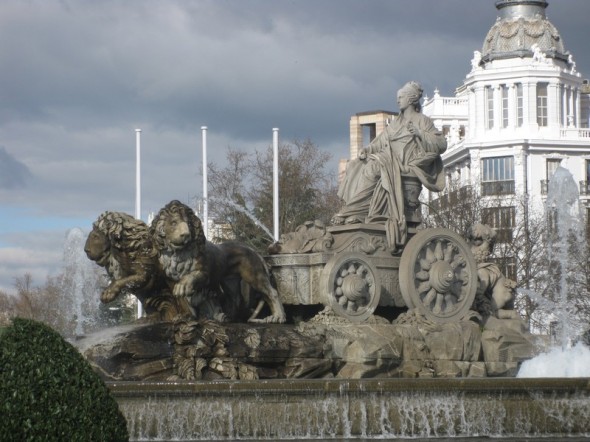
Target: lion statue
(207,272)
(123,246)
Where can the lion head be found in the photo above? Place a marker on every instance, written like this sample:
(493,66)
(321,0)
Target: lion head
(122,245)
(176,226)
(98,246)
(118,230)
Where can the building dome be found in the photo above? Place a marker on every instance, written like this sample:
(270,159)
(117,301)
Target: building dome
(521,25)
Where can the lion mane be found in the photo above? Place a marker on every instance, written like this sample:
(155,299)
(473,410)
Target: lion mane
(180,252)
(119,242)
(210,273)
(124,247)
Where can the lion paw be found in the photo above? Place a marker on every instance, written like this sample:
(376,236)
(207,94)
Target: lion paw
(108,295)
(272,319)
(183,288)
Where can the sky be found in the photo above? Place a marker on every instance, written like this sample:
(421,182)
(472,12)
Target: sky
(79,76)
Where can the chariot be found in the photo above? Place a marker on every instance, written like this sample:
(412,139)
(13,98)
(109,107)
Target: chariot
(355,272)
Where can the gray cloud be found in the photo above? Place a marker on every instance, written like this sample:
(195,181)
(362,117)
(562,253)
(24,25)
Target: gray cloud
(13,173)
(78,77)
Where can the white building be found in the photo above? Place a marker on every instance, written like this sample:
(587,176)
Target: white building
(521,111)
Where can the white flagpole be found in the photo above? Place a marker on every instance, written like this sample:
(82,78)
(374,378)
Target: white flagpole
(205,201)
(275,190)
(138,194)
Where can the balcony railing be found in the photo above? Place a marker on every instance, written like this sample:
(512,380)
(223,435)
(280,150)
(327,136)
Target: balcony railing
(448,106)
(575,133)
(489,188)
(584,187)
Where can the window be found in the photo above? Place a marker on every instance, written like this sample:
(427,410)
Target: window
(497,175)
(502,219)
(519,105)
(542,104)
(504,106)
(507,266)
(552,165)
(489,106)
(585,185)
(369,133)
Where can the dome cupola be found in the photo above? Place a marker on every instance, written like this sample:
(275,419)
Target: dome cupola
(522,27)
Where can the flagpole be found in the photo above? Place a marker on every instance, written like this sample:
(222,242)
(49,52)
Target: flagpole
(138,195)
(275,174)
(205,200)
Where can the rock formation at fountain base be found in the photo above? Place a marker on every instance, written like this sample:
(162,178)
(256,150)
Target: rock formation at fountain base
(327,346)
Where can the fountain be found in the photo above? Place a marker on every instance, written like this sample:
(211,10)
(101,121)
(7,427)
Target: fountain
(220,356)
(243,210)
(566,359)
(79,284)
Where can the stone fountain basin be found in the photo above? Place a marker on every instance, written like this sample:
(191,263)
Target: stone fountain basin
(363,408)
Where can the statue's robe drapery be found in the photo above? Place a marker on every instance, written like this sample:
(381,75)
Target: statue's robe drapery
(372,188)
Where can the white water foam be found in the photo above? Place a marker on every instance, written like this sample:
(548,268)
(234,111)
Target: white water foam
(571,362)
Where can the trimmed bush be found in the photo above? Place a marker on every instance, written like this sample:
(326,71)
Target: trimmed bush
(48,392)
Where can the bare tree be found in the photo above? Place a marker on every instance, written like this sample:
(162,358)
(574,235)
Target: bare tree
(242,191)
(457,209)
(523,249)
(12,306)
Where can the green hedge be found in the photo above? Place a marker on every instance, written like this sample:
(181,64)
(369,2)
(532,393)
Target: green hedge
(48,392)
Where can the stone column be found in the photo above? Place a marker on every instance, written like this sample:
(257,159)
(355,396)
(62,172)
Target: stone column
(520,171)
(475,168)
(578,106)
(553,105)
(530,102)
(497,107)
(512,105)
(563,109)
(570,111)
(478,107)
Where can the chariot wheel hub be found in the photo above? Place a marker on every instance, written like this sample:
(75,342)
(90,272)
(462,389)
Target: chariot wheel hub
(355,288)
(441,276)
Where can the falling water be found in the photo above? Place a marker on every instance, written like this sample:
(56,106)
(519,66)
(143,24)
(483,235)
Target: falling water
(563,207)
(79,284)
(246,212)
(355,409)
(563,202)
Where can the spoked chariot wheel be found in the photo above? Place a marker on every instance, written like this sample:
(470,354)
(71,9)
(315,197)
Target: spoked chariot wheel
(352,286)
(438,275)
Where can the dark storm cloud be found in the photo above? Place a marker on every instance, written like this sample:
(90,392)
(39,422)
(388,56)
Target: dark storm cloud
(246,65)
(13,173)
(79,76)
(241,62)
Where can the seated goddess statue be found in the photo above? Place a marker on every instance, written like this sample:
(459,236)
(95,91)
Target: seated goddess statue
(372,187)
